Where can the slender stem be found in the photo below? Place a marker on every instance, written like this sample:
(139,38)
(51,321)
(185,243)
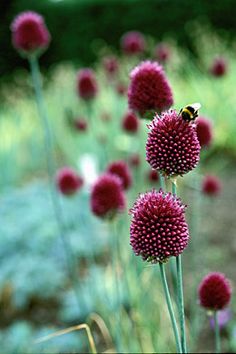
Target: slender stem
(217,333)
(116,287)
(170,307)
(180,291)
(48,144)
(162,182)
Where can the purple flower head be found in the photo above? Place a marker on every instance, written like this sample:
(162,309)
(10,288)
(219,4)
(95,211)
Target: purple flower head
(130,123)
(67,180)
(172,146)
(149,90)
(214,291)
(204,131)
(107,196)
(133,43)
(162,52)
(121,170)
(29,33)
(86,84)
(223,317)
(158,227)
(219,67)
(211,185)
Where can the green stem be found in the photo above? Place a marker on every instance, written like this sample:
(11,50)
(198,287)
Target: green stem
(217,333)
(48,144)
(180,291)
(116,288)
(162,182)
(170,307)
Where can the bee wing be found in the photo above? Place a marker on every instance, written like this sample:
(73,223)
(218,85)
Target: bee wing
(196,106)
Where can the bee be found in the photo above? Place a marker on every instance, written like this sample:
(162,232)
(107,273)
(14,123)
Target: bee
(190,112)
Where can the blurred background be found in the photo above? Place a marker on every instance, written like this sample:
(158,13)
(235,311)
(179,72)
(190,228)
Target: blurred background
(199,59)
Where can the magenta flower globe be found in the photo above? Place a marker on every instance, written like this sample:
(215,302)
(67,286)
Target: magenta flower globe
(29,33)
(68,182)
(158,228)
(162,52)
(86,84)
(121,170)
(214,291)
(133,43)
(172,146)
(107,196)
(149,91)
(130,123)
(204,131)
(219,67)
(111,65)
(211,186)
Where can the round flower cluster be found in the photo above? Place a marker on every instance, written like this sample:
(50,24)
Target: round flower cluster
(172,146)
(219,67)
(81,124)
(204,131)
(86,84)
(149,89)
(107,196)
(121,170)
(162,52)
(132,43)
(153,176)
(110,65)
(211,185)
(68,182)
(130,123)
(158,227)
(214,291)
(29,33)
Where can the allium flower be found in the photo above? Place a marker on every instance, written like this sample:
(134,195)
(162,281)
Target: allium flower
(162,52)
(211,185)
(149,89)
(172,146)
(204,131)
(68,182)
(214,291)
(121,170)
(86,84)
(130,122)
(153,176)
(29,33)
(219,67)
(107,196)
(121,89)
(158,227)
(111,65)
(134,160)
(81,124)
(133,43)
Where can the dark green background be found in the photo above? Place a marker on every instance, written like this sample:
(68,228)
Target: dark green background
(80,27)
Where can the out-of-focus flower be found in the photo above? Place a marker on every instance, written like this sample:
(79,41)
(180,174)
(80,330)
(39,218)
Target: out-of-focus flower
(81,124)
(134,160)
(153,176)
(107,196)
(204,131)
(121,89)
(162,52)
(211,185)
(29,33)
(172,146)
(214,291)
(149,90)
(121,170)
(110,65)
(130,122)
(86,84)
(219,67)
(68,182)
(133,43)
(106,117)
(158,227)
